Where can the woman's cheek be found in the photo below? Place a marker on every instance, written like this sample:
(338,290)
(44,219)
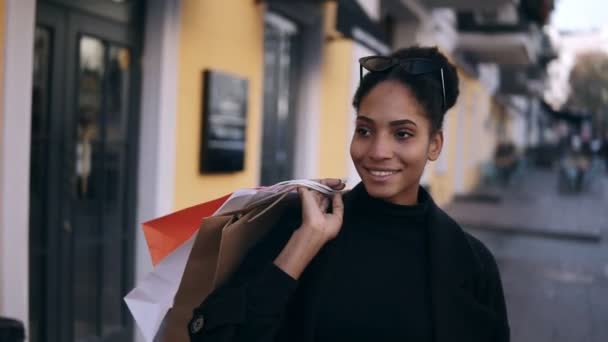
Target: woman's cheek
(356,149)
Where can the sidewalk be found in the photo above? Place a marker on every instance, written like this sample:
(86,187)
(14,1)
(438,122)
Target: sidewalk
(535,207)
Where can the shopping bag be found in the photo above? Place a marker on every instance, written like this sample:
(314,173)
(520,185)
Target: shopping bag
(219,248)
(153,296)
(165,234)
(150,301)
(171,238)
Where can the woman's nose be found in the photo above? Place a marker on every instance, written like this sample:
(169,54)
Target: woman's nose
(380,149)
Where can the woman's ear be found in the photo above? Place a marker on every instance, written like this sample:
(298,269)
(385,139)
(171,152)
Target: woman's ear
(435,145)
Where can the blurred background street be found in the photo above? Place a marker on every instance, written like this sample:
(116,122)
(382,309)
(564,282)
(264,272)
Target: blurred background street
(552,252)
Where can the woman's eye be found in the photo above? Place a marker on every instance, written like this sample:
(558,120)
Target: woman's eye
(403,135)
(362,131)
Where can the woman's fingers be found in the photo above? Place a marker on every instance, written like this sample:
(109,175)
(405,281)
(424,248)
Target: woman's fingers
(307,199)
(334,183)
(315,217)
(318,197)
(324,204)
(313,199)
(338,206)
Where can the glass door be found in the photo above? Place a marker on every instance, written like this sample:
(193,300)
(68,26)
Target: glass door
(83,168)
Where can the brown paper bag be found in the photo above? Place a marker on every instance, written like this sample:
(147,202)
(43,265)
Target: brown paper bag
(219,248)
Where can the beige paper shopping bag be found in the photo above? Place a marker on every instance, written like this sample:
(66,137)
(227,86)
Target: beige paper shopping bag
(220,246)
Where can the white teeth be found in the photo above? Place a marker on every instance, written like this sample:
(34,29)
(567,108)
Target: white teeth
(382,173)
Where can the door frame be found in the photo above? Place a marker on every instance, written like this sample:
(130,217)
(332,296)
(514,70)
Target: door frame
(54,235)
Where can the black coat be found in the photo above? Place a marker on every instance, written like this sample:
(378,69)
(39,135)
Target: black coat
(466,292)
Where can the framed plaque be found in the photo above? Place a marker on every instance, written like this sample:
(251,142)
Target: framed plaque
(224,122)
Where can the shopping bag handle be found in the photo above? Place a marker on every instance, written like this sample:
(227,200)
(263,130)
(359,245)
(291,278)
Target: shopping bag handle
(274,203)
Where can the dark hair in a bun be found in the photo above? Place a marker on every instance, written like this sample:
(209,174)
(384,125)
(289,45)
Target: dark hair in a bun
(426,87)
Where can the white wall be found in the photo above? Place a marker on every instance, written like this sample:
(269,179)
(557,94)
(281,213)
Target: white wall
(439,29)
(308,106)
(489,76)
(15,159)
(433,27)
(371,7)
(518,129)
(156,168)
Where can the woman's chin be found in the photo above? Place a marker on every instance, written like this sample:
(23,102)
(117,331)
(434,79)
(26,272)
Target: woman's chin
(374,189)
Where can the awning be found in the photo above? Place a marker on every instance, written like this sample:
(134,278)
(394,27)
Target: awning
(301,11)
(353,22)
(505,49)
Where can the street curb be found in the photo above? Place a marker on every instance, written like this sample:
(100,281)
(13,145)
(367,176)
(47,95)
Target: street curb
(591,237)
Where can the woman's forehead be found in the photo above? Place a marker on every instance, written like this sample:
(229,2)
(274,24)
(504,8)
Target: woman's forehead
(389,101)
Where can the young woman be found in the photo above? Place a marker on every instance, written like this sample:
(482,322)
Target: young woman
(385,263)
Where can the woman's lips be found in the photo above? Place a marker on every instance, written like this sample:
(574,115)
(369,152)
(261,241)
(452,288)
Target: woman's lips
(380,174)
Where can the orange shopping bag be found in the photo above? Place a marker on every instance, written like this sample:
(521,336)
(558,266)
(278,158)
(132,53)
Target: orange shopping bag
(167,233)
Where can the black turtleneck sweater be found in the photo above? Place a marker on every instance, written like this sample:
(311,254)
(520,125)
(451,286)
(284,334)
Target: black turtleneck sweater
(378,287)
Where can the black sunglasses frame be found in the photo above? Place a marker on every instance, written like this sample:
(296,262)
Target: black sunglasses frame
(414,66)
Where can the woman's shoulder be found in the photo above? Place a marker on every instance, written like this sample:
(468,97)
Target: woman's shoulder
(483,254)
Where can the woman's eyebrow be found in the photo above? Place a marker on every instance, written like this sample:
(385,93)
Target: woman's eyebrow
(392,123)
(365,118)
(402,122)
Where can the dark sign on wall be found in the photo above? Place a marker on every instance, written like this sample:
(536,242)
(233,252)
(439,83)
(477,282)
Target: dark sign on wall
(224,122)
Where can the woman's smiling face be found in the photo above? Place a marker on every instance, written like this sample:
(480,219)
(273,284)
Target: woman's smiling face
(392,143)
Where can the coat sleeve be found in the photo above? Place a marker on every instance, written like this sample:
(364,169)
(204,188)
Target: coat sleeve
(251,305)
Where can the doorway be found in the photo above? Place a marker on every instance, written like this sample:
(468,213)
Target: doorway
(83,160)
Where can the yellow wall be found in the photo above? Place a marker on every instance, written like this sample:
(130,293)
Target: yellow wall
(336,93)
(474,104)
(484,135)
(442,181)
(477,140)
(225,35)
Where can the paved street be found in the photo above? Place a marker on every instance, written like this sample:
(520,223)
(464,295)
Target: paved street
(556,284)
(534,206)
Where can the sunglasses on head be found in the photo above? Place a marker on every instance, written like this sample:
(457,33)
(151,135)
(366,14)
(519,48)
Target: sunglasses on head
(414,66)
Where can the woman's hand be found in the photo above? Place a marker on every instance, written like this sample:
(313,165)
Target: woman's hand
(316,220)
(318,227)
